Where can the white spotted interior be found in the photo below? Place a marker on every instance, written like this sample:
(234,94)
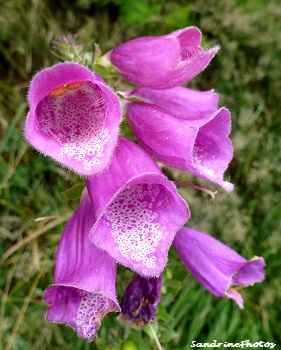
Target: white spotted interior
(93,307)
(135,219)
(77,121)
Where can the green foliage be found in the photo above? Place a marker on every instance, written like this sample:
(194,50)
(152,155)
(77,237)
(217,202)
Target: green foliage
(74,192)
(246,73)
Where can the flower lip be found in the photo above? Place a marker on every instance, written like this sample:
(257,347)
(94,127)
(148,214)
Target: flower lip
(189,42)
(247,274)
(188,37)
(80,309)
(54,77)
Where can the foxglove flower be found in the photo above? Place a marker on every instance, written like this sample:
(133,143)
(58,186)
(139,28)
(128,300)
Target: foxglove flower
(74,117)
(217,267)
(140,300)
(85,276)
(137,210)
(162,62)
(184,129)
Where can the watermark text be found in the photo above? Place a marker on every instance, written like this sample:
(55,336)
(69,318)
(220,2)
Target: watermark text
(241,344)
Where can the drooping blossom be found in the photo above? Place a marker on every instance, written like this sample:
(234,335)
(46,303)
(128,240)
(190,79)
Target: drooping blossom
(74,117)
(84,288)
(137,210)
(162,62)
(140,300)
(216,266)
(184,129)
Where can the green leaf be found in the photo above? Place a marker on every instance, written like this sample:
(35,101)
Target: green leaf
(74,192)
(97,52)
(168,334)
(162,314)
(101,70)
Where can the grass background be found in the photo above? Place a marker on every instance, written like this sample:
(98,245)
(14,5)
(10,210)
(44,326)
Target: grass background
(246,72)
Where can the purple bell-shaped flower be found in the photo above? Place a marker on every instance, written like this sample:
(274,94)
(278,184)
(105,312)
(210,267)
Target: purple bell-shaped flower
(84,288)
(183,128)
(137,210)
(162,62)
(216,266)
(74,117)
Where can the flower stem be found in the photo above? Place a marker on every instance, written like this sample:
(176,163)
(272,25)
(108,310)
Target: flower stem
(155,336)
(211,193)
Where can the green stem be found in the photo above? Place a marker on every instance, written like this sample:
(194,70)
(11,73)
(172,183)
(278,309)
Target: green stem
(155,336)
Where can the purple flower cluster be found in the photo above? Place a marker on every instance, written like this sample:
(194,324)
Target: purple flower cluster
(130,213)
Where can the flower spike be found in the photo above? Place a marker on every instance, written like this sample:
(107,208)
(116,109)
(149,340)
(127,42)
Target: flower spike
(162,62)
(216,266)
(74,117)
(85,276)
(137,209)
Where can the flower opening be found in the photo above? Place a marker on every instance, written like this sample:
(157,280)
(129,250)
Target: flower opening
(74,117)
(137,216)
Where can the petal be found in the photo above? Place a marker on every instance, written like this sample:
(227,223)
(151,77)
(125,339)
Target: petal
(193,58)
(52,78)
(205,151)
(74,117)
(212,151)
(140,300)
(162,62)
(138,214)
(195,107)
(165,137)
(85,276)
(217,267)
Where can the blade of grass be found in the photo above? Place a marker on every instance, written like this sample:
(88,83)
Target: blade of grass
(23,310)
(13,63)
(14,167)
(4,299)
(12,127)
(29,238)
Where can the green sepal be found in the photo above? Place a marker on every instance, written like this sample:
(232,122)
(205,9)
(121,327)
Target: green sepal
(105,72)
(74,192)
